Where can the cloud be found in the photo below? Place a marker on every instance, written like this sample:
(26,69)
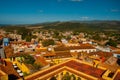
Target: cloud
(115,10)
(84,18)
(76,0)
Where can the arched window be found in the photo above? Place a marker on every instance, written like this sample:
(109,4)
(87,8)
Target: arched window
(53,78)
(66,76)
(73,77)
(78,78)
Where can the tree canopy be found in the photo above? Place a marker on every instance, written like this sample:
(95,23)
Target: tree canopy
(48,42)
(111,43)
(28,59)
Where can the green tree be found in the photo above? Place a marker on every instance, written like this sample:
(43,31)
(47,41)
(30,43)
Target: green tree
(37,66)
(68,37)
(97,37)
(24,32)
(34,36)
(75,33)
(25,74)
(28,38)
(48,42)
(28,59)
(111,43)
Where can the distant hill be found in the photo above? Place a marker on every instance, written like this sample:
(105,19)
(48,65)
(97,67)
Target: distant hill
(95,25)
(85,25)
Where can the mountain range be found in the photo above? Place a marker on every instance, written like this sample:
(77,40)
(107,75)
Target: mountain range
(95,25)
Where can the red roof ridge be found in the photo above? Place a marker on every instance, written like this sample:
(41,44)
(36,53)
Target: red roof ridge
(77,65)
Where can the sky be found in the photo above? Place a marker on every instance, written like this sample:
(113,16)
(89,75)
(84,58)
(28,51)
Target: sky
(38,11)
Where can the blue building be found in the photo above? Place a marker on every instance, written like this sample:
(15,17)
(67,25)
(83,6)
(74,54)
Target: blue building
(5,41)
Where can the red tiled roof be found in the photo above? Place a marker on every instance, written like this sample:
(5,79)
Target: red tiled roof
(117,76)
(100,53)
(86,69)
(49,54)
(40,59)
(117,52)
(21,42)
(58,54)
(113,48)
(63,48)
(1,72)
(77,66)
(8,69)
(41,50)
(1,36)
(87,44)
(63,54)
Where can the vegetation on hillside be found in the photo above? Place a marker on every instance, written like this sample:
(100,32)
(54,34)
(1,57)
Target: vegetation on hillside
(68,26)
(77,26)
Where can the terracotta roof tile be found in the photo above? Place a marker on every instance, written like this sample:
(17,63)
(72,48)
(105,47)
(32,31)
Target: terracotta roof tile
(117,76)
(1,73)
(100,53)
(8,69)
(89,70)
(49,54)
(63,54)
(40,59)
(113,48)
(63,48)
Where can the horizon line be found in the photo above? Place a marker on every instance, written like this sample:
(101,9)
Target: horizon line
(51,22)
